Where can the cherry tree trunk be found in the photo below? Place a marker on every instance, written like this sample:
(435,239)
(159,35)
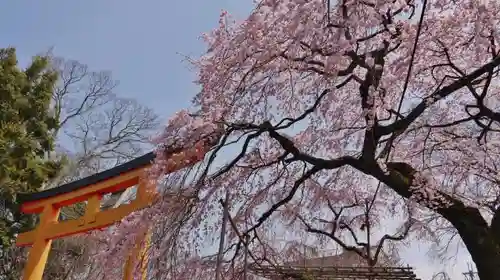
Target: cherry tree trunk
(482,241)
(481,238)
(485,252)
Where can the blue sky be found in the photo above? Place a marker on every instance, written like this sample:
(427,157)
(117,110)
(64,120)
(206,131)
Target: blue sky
(139,42)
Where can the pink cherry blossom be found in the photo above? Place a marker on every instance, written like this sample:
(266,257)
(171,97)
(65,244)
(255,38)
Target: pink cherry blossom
(315,144)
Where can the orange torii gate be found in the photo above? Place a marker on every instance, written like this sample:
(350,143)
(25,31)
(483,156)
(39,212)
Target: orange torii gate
(91,189)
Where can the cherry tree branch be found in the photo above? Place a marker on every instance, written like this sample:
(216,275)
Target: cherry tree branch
(287,199)
(331,235)
(363,249)
(441,93)
(393,237)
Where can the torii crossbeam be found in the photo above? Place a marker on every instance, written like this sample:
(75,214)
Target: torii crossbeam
(91,189)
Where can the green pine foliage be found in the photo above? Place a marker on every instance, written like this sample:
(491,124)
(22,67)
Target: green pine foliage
(27,138)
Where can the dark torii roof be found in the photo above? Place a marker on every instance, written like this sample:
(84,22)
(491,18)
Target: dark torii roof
(209,140)
(90,180)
